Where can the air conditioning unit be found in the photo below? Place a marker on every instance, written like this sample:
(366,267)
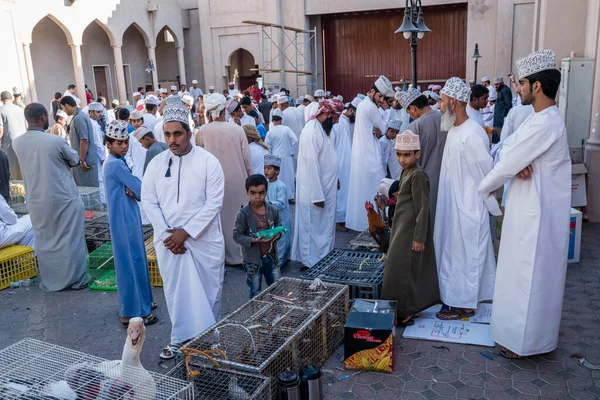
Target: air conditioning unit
(575,99)
(152,6)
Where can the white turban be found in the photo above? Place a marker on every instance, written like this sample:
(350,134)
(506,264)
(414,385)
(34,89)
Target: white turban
(214,104)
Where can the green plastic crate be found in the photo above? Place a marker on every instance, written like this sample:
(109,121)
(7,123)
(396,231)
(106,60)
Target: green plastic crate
(101,261)
(107,283)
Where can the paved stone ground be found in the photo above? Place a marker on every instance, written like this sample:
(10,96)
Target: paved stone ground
(88,321)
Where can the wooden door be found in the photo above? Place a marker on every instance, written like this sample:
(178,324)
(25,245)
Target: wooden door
(101,82)
(358,47)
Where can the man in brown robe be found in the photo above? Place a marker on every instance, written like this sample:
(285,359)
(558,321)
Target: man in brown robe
(228,143)
(410,275)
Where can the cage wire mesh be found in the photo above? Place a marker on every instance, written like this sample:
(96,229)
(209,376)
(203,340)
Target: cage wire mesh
(213,382)
(32,369)
(291,325)
(359,269)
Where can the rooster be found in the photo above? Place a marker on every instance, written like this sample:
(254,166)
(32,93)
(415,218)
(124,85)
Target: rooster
(378,229)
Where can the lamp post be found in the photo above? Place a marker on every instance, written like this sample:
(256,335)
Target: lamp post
(413,28)
(476,56)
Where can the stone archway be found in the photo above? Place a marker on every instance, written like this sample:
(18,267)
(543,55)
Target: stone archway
(51,58)
(166,58)
(135,54)
(241,60)
(98,61)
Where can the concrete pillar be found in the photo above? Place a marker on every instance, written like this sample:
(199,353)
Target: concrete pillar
(152,56)
(181,59)
(121,89)
(79,77)
(30,75)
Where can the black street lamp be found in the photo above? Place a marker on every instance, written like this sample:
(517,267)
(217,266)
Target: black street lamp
(476,56)
(413,27)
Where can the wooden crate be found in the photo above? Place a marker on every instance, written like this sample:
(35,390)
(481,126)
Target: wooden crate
(16,263)
(155,278)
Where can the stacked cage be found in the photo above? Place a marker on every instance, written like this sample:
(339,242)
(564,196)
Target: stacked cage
(31,369)
(289,325)
(361,270)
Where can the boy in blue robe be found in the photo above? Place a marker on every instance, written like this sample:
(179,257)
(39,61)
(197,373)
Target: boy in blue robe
(131,265)
(277,196)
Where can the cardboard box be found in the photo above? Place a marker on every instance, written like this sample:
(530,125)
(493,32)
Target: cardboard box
(574,236)
(370,336)
(578,192)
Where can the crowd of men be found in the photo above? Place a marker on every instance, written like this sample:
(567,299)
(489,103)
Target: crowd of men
(212,172)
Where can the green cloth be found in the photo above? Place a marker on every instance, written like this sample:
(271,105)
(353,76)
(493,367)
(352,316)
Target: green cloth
(411,277)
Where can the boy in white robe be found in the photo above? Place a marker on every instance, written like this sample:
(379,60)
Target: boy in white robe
(277,196)
(283,142)
(388,153)
(532,261)
(463,246)
(182,194)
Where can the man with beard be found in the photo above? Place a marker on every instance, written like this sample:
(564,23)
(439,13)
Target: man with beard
(532,262)
(341,137)
(182,194)
(54,203)
(427,125)
(463,245)
(503,103)
(316,189)
(366,171)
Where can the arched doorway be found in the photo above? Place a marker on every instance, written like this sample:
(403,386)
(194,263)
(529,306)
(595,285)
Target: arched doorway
(135,58)
(166,58)
(98,62)
(240,63)
(51,59)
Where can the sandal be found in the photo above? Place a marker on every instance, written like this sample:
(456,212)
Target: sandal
(150,320)
(449,314)
(170,351)
(506,353)
(153,306)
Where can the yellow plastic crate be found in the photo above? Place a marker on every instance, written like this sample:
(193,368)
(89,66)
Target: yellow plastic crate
(155,278)
(16,263)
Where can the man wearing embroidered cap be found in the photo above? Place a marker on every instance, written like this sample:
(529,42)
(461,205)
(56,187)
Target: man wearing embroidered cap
(228,143)
(312,108)
(316,190)
(182,194)
(341,136)
(173,90)
(150,117)
(410,274)
(283,143)
(123,191)
(153,147)
(532,261)
(366,170)
(427,125)
(389,161)
(462,239)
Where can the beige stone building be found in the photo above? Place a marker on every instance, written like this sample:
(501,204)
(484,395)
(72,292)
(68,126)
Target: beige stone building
(109,44)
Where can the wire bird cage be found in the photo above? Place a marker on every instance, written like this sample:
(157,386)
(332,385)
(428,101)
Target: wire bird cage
(286,327)
(213,382)
(359,269)
(31,369)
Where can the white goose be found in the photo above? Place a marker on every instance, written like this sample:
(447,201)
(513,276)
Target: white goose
(129,369)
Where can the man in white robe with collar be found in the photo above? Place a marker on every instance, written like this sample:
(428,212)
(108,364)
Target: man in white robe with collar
(95,113)
(316,189)
(461,235)
(182,195)
(366,170)
(341,136)
(532,261)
